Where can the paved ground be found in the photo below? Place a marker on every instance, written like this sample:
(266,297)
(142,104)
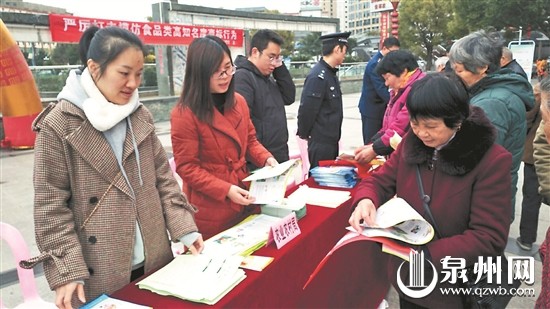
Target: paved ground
(16,201)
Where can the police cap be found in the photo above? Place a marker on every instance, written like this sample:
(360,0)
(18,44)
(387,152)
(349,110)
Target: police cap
(335,38)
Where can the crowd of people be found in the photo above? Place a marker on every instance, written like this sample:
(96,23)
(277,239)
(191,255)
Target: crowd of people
(107,205)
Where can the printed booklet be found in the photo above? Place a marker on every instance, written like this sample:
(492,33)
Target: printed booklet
(398,220)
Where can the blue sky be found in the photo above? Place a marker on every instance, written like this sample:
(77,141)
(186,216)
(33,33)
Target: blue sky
(138,10)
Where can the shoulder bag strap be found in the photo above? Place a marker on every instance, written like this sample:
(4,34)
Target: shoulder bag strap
(425,200)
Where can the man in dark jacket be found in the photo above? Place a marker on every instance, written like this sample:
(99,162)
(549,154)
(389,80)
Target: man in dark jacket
(265,82)
(374,95)
(507,61)
(320,114)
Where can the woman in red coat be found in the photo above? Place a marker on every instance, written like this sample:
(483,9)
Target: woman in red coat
(212,136)
(465,175)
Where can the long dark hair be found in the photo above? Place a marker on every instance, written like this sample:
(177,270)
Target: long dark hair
(104,45)
(204,57)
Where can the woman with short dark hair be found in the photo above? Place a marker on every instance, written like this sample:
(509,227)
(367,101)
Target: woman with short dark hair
(400,71)
(462,171)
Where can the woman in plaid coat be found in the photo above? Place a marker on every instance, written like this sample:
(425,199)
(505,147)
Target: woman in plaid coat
(105,196)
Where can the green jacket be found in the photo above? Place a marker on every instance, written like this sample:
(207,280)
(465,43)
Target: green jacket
(506,97)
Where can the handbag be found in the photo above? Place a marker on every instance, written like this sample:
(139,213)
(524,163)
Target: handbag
(476,300)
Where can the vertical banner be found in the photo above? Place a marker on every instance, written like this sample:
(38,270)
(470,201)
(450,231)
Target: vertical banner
(384,18)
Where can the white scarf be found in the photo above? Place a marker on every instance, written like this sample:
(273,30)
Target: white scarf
(101,113)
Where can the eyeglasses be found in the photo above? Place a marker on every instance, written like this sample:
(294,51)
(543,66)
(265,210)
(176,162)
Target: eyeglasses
(274,60)
(225,73)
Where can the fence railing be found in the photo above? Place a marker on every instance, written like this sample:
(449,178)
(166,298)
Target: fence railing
(51,79)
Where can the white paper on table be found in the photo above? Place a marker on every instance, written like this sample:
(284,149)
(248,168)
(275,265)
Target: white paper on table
(200,278)
(320,197)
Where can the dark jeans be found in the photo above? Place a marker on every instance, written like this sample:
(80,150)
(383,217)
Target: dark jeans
(371,126)
(530,205)
(318,151)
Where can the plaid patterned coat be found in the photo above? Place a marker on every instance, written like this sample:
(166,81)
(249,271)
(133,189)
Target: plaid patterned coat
(85,214)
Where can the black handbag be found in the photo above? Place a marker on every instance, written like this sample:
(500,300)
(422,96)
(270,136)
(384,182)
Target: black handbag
(473,300)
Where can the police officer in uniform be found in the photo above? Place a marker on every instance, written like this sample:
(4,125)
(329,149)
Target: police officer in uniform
(320,113)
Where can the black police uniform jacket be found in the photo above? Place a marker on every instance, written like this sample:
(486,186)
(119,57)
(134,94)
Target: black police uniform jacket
(321,113)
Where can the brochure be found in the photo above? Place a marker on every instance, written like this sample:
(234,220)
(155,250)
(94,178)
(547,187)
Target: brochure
(268,184)
(198,278)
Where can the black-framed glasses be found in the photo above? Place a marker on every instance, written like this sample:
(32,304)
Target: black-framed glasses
(226,73)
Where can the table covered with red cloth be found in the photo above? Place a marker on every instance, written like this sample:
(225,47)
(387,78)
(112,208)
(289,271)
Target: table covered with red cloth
(354,276)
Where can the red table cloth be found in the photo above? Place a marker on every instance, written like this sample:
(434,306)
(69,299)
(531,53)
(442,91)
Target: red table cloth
(354,276)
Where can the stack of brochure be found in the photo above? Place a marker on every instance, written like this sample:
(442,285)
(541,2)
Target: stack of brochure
(206,278)
(200,278)
(335,176)
(242,239)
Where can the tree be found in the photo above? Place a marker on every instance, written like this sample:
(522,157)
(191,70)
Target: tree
(499,15)
(423,25)
(288,37)
(310,45)
(288,46)
(65,54)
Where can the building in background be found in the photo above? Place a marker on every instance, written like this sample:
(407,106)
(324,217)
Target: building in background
(18,6)
(32,48)
(367,20)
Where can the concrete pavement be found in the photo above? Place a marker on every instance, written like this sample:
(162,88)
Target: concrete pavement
(16,203)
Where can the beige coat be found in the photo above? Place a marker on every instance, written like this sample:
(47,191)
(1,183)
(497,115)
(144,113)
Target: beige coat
(75,169)
(541,154)
(533,119)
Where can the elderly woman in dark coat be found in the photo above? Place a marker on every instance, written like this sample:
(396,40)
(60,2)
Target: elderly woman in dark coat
(465,174)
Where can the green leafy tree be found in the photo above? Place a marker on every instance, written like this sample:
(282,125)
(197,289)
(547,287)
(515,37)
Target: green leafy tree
(352,43)
(288,46)
(41,57)
(65,54)
(499,15)
(288,37)
(310,45)
(423,25)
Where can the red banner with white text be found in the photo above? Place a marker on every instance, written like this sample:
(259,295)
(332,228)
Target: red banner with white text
(69,29)
(384,17)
